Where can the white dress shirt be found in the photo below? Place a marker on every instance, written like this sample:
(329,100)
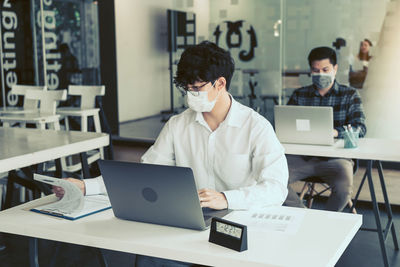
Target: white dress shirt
(242,158)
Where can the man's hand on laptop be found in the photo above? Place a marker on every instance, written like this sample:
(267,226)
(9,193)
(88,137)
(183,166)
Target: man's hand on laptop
(212,199)
(59,191)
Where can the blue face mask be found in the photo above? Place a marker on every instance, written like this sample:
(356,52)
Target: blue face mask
(323,80)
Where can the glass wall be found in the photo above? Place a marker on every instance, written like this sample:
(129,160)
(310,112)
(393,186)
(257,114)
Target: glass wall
(271,39)
(251,31)
(49,42)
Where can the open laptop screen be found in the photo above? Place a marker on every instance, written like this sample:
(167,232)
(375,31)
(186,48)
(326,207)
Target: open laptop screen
(304,124)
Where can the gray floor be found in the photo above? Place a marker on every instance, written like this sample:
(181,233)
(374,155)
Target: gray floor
(144,129)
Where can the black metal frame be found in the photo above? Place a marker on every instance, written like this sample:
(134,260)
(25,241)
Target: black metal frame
(382,233)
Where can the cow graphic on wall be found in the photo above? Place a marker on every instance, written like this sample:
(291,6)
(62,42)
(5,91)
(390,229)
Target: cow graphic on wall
(237,35)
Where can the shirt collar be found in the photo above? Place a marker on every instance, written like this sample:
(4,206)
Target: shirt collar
(234,118)
(334,89)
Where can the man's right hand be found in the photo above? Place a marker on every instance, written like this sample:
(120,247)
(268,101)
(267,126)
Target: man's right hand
(59,191)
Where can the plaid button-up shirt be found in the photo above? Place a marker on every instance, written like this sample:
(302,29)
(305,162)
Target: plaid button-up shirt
(346,103)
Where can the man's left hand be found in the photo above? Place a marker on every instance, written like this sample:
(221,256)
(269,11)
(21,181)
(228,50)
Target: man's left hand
(212,199)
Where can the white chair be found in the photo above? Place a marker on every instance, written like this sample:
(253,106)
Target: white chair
(45,115)
(87,109)
(29,105)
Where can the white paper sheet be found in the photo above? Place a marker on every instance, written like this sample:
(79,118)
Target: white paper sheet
(275,219)
(72,200)
(303,125)
(73,205)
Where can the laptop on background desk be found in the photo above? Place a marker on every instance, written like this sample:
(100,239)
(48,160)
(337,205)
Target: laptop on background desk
(156,194)
(304,124)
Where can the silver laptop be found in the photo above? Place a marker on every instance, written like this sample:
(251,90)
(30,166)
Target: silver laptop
(304,124)
(156,194)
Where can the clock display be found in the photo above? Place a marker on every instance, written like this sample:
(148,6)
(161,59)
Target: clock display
(228,234)
(228,229)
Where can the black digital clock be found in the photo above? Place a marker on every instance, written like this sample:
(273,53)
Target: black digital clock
(228,234)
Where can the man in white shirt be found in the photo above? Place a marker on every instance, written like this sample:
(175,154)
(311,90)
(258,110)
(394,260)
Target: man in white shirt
(233,151)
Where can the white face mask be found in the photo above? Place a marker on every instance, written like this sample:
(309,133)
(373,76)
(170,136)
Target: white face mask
(201,103)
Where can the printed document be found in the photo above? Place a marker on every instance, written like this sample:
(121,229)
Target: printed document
(275,219)
(73,205)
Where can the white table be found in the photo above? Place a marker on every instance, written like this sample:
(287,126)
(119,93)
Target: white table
(320,241)
(372,150)
(21,147)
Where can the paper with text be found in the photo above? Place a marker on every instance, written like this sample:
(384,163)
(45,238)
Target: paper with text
(72,201)
(275,219)
(73,205)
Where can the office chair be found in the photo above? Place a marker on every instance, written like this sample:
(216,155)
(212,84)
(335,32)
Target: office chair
(309,191)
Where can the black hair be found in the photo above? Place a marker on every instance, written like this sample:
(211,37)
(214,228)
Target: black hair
(204,62)
(64,47)
(322,52)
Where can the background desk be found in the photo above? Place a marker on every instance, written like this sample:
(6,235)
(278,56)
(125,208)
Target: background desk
(331,234)
(21,147)
(368,149)
(372,150)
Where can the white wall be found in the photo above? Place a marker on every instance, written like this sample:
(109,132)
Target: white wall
(142,56)
(381,93)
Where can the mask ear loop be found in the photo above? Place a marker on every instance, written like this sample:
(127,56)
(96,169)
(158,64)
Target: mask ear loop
(217,90)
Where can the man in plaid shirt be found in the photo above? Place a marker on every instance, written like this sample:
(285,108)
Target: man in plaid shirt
(347,109)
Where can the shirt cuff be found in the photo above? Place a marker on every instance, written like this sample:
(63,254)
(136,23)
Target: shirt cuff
(234,199)
(94,186)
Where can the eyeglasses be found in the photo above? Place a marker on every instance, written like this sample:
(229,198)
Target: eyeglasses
(194,90)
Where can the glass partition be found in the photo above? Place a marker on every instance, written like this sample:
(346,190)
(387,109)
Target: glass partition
(252,31)
(15,49)
(56,39)
(312,23)
(270,41)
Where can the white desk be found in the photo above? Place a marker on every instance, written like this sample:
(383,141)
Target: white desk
(21,147)
(371,150)
(368,149)
(320,240)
